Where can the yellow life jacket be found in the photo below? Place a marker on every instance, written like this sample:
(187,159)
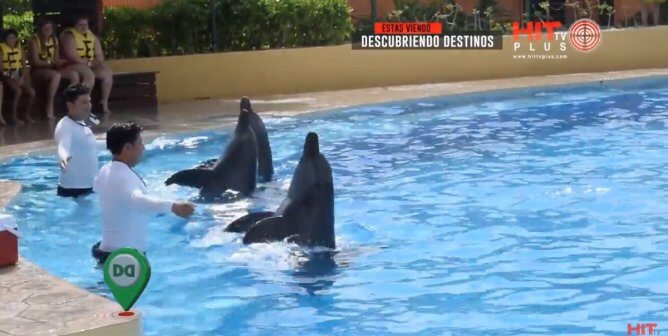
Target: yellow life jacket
(85,43)
(12,58)
(47,51)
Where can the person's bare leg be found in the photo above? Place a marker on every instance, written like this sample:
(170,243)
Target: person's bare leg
(84,74)
(87,77)
(16,91)
(54,81)
(656,11)
(71,75)
(30,92)
(103,72)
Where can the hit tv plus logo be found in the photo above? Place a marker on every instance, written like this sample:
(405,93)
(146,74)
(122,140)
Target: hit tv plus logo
(642,329)
(533,31)
(583,35)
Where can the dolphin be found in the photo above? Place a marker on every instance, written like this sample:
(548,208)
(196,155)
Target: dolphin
(306,216)
(265,167)
(236,169)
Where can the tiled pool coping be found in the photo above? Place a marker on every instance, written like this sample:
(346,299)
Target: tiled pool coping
(35,303)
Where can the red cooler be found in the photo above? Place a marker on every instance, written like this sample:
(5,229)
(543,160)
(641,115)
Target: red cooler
(9,245)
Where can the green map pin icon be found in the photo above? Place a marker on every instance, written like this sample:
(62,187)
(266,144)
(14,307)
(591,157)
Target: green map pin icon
(127,273)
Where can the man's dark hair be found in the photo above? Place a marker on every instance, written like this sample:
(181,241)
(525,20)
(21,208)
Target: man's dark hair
(78,17)
(43,21)
(120,134)
(9,32)
(75,91)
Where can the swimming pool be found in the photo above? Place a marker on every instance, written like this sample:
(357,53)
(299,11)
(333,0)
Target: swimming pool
(537,211)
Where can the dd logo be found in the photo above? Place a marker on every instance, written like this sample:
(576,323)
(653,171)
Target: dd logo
(124,270)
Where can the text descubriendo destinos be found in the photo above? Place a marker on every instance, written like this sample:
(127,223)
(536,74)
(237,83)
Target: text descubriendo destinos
(461,41)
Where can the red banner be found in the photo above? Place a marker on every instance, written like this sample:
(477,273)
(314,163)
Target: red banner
(409,28)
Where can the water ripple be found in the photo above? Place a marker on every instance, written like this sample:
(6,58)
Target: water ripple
(539,215)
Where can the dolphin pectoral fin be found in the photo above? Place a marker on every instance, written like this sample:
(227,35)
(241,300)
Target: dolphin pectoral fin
(244,223)
(194,178)
(269,229)
(207,164)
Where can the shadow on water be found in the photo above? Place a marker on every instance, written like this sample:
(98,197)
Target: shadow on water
(315,271)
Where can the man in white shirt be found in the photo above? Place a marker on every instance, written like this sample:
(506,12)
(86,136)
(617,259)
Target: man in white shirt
(77,147)
(126,207)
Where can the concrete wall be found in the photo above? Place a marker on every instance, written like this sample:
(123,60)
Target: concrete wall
(339,67)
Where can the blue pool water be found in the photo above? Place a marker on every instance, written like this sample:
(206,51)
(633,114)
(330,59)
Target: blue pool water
(536,212)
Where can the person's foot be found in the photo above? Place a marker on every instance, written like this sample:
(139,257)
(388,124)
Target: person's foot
(2,122)
(18,121)
(105,118)
(50,115)
(105,109)
(29,120)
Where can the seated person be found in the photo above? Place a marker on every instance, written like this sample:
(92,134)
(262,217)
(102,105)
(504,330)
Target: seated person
(82,51)
(15,74)
(47,67)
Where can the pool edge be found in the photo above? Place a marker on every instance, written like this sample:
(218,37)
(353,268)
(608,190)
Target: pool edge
(35,299)
(173,120)
(26,281)
(132,327)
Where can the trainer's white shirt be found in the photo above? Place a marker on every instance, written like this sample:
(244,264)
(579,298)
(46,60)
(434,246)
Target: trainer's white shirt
(126,207)
(77,142)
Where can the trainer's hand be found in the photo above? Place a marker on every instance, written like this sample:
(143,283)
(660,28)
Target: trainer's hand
(183,210)
(63,163)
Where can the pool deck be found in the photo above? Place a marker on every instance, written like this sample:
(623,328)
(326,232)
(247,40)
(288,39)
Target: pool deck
(36,303)
(214,113)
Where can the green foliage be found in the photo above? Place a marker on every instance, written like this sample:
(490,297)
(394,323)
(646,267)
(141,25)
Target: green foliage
(23,24)
(412,10)
(262,24)
(16,7)
(177,27)
(181,27)
(124,30)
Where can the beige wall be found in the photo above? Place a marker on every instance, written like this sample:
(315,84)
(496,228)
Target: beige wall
(339,67)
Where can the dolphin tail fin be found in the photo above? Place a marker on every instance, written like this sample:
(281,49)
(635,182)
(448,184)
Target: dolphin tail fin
(190,178)
(265,167)
(269,229)
(244,223)
(266,172)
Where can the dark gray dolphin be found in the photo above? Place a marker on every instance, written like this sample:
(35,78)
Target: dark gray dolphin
(306,216)
(265,167)
(236,169)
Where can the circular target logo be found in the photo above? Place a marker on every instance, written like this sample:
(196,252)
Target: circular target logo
(584,35)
